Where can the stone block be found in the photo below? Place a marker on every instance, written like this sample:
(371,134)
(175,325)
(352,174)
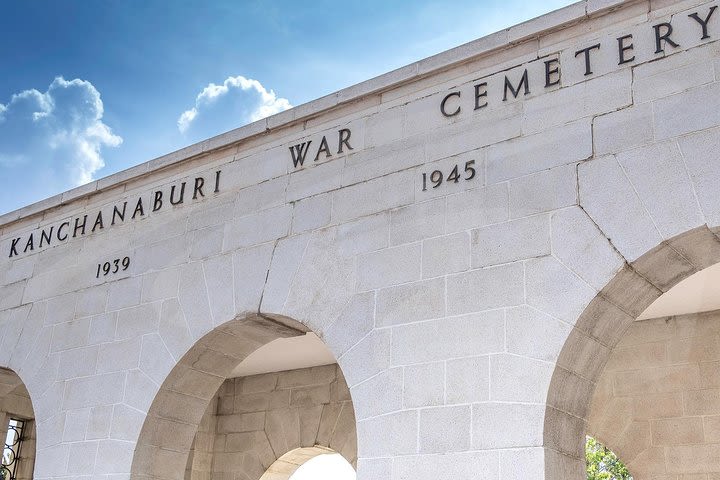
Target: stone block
(368,357)
(113,457)
(311,213)
(677,431)
(410,302)
(388,267)
(257,228)
(655,406)
(688,459)
(687,112)
(697,402)
(511,241)
(137,321)
(478,465)
(534,334)
(250,273)
(447,254)
(219,280)
(533,153)
(672,378)
(379,395)
(352,324)
(126,423)
(610,200)
(485,289)
(310,396)
(173,328)
(697,151)
(98,425)
(384,160)
(373,196)
(507,425)
(320,375)
(76,424)
(444,429)
(523,464)
(544,191)
(78,362)
(82,458)
(477,208)
(675,74)
(94,390)
(243,422)
(194,299)
(700,247)
(160,285)
(206,242)
(165,253)
(631,292)
(91,302)
(464,336)
(547,280)
(418,221)
(318,179)
(659,176)
(424,385)
(391,434)
(637,356)
(575,239)
(624,129)
(363,235)
(70,335)
(155,359)
(518,379)
(565,433)
(593,97)
(124,293)
(694,350)
(467,380)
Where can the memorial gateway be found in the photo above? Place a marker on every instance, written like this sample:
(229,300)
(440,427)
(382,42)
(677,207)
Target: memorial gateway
(458,269)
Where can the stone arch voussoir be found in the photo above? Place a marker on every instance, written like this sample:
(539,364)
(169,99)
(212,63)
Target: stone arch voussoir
(599,329)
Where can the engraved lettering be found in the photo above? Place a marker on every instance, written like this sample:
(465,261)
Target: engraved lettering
(704,23)
(444,101)
(299,152)
(586,53)
(516,91)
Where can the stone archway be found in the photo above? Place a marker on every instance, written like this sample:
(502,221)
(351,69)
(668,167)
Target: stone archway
(599,329)
(187,400)
(17,414)
(284,467)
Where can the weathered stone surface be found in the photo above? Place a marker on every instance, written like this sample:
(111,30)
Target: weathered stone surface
(479,320)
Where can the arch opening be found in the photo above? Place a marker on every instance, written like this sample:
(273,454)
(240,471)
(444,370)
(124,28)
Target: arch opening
(310,463)
(17,427)
(638,371)
(602,463)
(231,407)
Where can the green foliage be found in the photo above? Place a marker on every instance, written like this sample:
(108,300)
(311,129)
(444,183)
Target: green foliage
(603,464)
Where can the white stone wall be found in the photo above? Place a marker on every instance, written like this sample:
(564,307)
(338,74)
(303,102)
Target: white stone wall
(447,308)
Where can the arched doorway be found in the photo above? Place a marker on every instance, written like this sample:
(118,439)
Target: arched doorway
(220,412)
(316,463)
(17,426)
(630,377)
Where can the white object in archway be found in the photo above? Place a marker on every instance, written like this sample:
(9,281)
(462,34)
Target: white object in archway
(329,466)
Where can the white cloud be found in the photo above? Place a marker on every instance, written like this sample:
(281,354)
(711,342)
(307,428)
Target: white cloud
(54,139)
(237,101)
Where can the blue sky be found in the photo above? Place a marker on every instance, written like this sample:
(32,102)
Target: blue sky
(90,88)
